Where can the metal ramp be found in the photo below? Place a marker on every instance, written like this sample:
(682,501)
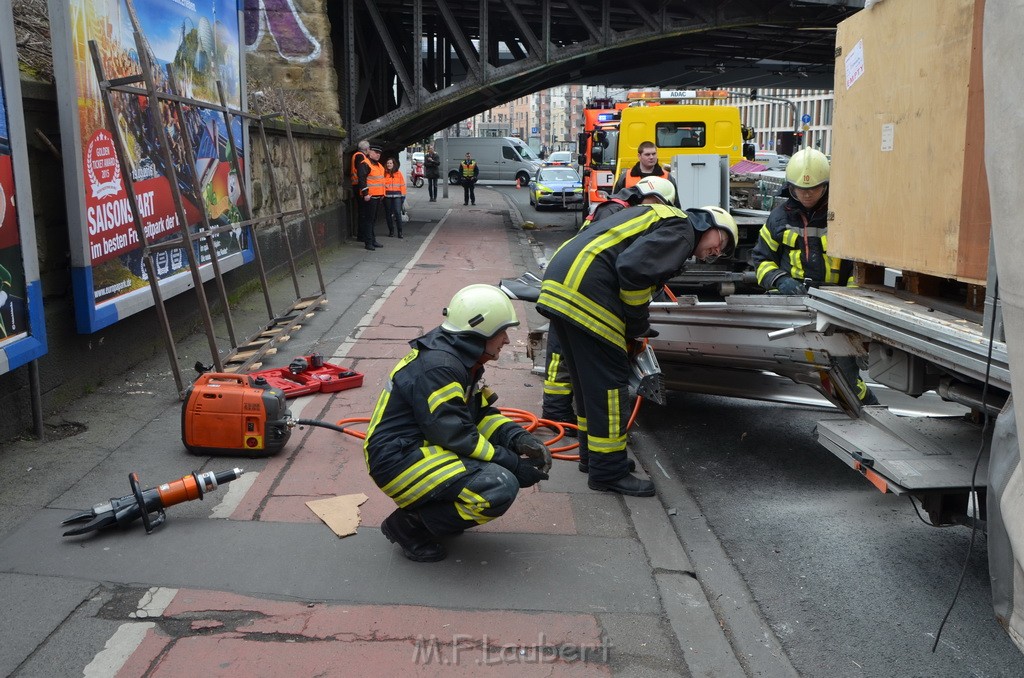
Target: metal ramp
(907,454)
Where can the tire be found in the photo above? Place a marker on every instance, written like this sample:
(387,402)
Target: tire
(454,178)
(418,182)
(523,178)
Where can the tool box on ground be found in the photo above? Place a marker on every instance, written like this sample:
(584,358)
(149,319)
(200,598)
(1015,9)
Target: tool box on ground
(310,374)
(234,414)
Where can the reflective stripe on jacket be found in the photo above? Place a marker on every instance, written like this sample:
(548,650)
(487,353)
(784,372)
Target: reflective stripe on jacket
(430,415)
(371,178)
(469,169)
(603,278)
(394,184)
(794,242)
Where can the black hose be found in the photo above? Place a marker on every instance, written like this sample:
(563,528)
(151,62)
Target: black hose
(324,424)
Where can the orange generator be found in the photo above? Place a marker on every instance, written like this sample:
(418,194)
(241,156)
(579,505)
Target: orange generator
(234,414)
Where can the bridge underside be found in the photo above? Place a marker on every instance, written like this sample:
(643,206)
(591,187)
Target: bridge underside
(411,67)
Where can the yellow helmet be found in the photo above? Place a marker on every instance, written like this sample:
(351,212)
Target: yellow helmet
(720,218)
(807,168)
(480,309)
(663,188)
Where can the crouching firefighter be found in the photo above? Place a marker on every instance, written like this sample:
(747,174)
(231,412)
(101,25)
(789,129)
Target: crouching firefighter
(436,445)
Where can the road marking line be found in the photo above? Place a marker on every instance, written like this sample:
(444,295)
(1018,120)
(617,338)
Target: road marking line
(117,650)
(233,496)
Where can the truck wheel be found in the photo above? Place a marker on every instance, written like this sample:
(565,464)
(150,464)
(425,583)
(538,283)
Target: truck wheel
(418,182)
(523,178)
(453,177)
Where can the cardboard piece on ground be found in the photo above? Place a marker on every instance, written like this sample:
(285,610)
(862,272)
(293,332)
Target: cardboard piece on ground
(340,513)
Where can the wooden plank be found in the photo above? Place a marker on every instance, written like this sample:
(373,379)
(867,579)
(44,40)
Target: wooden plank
(909,190)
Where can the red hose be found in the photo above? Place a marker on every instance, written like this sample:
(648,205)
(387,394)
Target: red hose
(524,418)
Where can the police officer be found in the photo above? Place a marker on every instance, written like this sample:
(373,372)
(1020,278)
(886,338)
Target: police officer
(792,246)
(596,292)
(435,444)
(469,171)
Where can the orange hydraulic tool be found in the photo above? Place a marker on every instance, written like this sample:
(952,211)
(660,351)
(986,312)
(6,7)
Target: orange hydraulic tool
(140,503)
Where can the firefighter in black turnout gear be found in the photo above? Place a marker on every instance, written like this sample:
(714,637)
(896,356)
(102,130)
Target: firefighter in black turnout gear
(436,445)
(557,386)
(596,293)
(792,247)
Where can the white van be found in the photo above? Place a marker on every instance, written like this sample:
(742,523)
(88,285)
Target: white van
(500,159)
(771,160)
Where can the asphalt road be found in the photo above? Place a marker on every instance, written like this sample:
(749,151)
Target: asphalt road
(852,581)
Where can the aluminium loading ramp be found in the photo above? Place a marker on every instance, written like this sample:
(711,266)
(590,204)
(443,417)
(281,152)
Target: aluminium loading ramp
(908,454)
(899,454)
(742,345)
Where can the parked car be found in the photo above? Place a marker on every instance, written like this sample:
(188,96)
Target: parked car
(556,187)
(559,158)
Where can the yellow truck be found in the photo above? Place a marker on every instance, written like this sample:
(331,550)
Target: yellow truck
(679,129)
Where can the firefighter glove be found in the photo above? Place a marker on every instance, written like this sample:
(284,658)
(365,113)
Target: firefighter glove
(787,285)
(528,474)
(535,450)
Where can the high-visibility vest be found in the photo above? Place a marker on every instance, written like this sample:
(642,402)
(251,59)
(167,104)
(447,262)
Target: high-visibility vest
(357,157)
(469,169)
(375,179)
(632,180)
(394,184)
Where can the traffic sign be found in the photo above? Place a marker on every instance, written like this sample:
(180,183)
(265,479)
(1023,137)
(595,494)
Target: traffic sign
(805,118)
(534,130)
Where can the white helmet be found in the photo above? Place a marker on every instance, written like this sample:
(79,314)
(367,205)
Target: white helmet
(663,188)
(720,218)
(479,309)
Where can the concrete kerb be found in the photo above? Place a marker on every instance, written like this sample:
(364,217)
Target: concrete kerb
(711,603)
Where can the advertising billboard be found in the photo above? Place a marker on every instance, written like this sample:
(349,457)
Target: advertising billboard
(194,44)
(22,328)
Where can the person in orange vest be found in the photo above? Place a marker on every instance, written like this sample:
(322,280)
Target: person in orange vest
(469,171)
(646,166)
(394,196)
(357,157)
(371,192)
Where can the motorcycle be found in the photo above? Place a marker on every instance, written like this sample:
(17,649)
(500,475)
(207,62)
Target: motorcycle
(417,175)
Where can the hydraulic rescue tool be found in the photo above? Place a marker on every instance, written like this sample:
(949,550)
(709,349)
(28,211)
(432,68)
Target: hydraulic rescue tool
(141,503)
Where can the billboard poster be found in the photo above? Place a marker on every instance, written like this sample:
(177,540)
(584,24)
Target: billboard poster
(194,44)
(22,328)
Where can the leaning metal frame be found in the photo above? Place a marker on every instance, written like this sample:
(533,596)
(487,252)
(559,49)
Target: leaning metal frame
(246,354)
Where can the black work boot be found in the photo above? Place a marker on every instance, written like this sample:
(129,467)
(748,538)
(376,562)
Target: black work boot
(407,530)
(628,484)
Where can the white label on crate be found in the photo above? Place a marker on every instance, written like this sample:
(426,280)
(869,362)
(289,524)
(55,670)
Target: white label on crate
(855,64)
(888,134)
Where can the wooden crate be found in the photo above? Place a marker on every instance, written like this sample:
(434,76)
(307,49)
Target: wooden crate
(908,185)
